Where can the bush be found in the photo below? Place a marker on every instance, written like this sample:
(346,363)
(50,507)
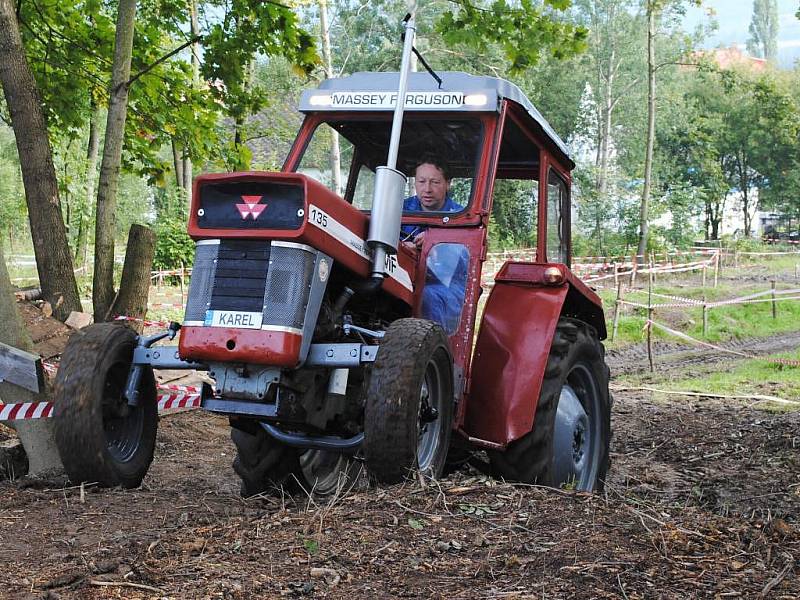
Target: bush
(174,247)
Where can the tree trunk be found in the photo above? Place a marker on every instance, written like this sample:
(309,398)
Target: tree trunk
(177,163)
(651,131)
(744,184)
(53,259)
(135,285)
(103,284)
(36,435)
(92,149)
(335,157)
(195,61)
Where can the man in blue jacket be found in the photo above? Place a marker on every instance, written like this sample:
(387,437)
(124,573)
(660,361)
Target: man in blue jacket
(443,296)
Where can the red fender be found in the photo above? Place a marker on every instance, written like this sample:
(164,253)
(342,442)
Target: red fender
(513,346)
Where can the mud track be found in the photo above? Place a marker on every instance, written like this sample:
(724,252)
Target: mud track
(702,501)
(671,355)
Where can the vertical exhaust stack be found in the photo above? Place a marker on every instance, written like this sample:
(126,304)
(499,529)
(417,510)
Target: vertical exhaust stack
(387,201)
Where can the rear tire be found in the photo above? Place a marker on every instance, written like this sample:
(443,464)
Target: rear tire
(99,436)
(409,408)
(569,443)
(266,465)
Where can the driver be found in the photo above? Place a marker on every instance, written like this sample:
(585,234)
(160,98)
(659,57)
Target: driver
(431,184)
(445,283)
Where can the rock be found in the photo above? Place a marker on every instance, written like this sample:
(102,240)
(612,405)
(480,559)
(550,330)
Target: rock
(78,320)
(331,577)
(47,309)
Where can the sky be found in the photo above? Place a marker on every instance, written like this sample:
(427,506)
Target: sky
(733,18)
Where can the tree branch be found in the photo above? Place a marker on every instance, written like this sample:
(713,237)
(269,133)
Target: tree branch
(153,65)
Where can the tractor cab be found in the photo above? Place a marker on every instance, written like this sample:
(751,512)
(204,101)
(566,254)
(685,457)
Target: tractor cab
(491,140)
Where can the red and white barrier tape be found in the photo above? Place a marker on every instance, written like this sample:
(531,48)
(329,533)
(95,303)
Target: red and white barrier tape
(175,398)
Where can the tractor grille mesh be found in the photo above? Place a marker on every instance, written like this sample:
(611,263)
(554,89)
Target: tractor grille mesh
(251,276)
(288,287)
(202,282)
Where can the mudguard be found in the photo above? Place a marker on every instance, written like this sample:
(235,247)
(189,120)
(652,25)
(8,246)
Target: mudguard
(513,346)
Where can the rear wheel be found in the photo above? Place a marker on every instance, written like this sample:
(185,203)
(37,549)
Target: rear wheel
(99,436)
(569,443)
(409,408)
(266,465)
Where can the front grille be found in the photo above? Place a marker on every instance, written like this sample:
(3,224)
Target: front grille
(288,286)
(202,282)
(240,276)
(274,279)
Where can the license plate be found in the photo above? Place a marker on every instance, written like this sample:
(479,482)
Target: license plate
(233,318)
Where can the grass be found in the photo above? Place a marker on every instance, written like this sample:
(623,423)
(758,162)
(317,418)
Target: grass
(745,378)
(724,322)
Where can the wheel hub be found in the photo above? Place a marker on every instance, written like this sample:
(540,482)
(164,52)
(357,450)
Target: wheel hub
(572,440)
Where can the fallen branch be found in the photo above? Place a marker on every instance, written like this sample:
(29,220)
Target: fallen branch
(138,586)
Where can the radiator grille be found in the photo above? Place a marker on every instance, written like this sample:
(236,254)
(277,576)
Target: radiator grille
(252,276)
(205,264)
(288,286)
(240,275)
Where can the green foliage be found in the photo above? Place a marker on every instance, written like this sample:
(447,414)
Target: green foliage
(524,31)
(174,247)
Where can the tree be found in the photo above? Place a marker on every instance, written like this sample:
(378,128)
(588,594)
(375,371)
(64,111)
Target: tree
(103,282)
(36,436)
(763,40)
(53,259)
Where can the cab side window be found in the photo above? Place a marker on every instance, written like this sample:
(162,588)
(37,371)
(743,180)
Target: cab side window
(515,201)
(557,219)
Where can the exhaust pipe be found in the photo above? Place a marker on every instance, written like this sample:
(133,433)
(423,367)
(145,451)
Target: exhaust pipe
(387,200)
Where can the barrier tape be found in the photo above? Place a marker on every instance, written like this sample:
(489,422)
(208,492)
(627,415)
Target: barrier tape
(691,302)
(187,397)
(781,361)
(146,322)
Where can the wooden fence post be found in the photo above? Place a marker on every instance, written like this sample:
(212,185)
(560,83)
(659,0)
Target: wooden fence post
(705,316)
(650,323)
(716,269)
(774,305)
(617,309)
(704,276)
(634,267)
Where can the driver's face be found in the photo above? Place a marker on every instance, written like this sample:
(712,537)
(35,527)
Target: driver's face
(431,186)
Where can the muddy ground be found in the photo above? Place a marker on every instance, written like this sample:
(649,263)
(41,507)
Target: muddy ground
(703,501)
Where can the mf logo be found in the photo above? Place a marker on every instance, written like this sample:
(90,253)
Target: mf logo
(251,207)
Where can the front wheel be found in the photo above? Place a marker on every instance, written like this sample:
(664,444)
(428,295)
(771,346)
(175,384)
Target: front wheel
(409,409)
(99,436)
(569,443)
(266,465)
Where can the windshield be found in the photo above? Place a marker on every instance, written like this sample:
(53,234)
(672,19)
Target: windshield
(442,153)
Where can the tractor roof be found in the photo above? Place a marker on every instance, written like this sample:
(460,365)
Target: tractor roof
(459,92)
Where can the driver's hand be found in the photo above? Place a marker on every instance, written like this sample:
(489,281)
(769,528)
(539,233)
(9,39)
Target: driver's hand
(411,247)
(419,239)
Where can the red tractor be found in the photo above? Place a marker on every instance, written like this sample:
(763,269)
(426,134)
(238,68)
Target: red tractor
(332,343)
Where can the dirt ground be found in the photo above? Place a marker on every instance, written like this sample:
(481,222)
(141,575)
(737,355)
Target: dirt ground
(703,501)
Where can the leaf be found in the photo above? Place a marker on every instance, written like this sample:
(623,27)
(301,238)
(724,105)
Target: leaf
(311,546)
(416,524)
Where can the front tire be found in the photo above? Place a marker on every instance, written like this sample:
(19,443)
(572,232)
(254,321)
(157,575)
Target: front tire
(99,436)
(409,409)
(569,443)
(266,465)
